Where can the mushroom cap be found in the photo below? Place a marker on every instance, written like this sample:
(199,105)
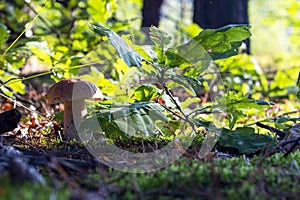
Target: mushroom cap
(73,89)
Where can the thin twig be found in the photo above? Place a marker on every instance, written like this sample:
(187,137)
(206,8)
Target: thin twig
(291,112)
(171,111)
(186,118)
(278,149)
(42,19)
(278,132)
(47,73)
(27,27)
(22,106)
(71,183)
(296,142)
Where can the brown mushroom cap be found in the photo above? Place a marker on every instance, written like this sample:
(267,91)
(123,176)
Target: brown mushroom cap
(73,89)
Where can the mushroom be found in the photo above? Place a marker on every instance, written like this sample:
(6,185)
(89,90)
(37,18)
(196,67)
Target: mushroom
(73,92)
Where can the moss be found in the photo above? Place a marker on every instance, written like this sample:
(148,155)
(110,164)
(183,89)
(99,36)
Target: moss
(31,191)
(236,178)
(230,178)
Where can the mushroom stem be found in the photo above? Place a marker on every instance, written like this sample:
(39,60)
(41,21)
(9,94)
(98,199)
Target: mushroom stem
(73,112)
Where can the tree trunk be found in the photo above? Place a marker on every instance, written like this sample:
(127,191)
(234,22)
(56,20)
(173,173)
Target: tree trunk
(210,14)
(151,12)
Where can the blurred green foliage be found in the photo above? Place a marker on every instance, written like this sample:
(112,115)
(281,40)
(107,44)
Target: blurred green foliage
(276,43)
(59,37)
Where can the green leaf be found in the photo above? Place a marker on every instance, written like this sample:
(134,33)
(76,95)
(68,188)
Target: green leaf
(17,87)
(233,116)
(132,120)
(161,40)
(192,30)
(250,104)
(138,48)
(233,104)
(130,56)
(245,140)
(4,34)
(145,93)
(189,101)
(188,54)
(264,103)
(223,42)
(180,80)
(159,37)
(42,51)
(103,54)
(196,84)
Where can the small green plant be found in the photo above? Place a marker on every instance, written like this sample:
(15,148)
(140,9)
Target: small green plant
(182,66)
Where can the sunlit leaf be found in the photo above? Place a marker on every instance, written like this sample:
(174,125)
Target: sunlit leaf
(223,42)
(192,30)
(131,77)
(189,101)
(42,51)
(137,119)
(145,93)
(234,105)
(17,86)
(130,57)
(189,54)
(181,81)
(101,11)
(159,37)
(138,48)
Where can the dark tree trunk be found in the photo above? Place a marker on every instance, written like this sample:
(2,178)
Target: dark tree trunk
(150,12)
(217,13)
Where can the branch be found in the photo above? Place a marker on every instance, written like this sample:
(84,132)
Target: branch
(278,132)
(279,148)
(186,118)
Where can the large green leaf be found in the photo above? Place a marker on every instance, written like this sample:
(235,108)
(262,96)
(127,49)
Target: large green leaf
(242,139)
(130,56)
(183,56)
(223,42)
(145,93)
(188,54)
(245,140)
(137,120)
(208,45)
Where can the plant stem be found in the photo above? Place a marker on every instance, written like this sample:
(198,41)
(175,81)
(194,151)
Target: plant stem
(186,118)
(52,71)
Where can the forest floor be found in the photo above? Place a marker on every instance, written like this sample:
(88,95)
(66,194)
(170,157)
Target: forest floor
(36,162)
